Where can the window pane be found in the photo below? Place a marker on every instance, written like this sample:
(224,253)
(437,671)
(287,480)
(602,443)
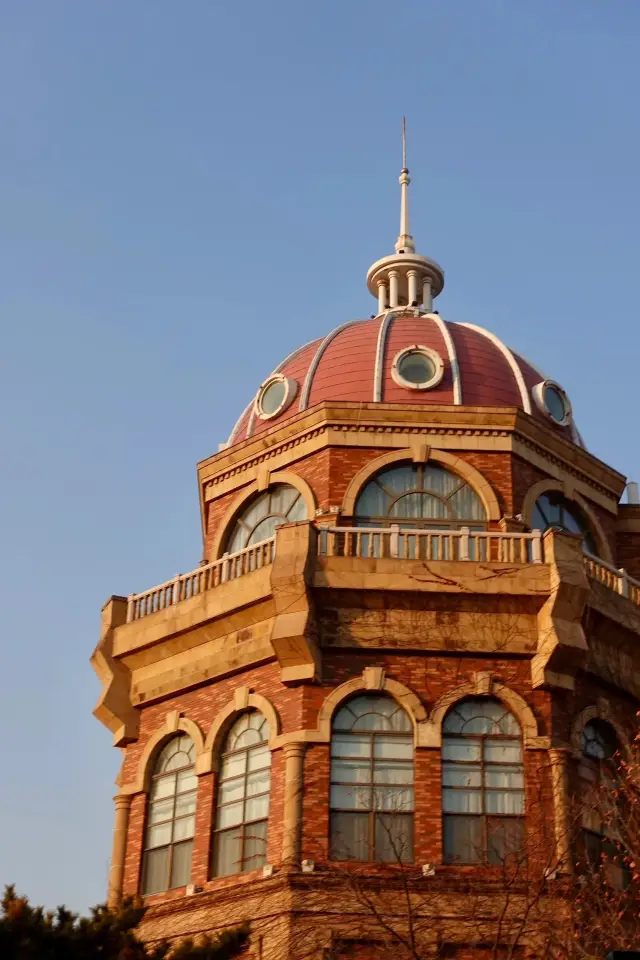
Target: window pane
(350,746)
(461,801)
(350,836)
(227,853)
(498,802)
(393,748)
(230,816)
(386,771)
(351,771)
(257,808)
(393,798)
(155,871)
(498,751)
(233,766)
(185,804)
(504,777)
(504,837)
(462,839)
(393,839)
(454,749)
(181,864)
(351,798)
(231,790)
(184,828)
(258,782)
(160,835)
(248,738)
(259,758)
(187,780)
(255,845)
(164,787)
(457,775)
(161,810)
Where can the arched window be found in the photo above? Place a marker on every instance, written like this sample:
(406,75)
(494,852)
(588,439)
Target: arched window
(420,495)
(258,521)
(482,783)
(170,818)
(602,804)
(242,812)
(554,510)
(372,782)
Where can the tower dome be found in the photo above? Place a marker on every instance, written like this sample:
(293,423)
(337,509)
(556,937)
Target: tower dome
(406,354)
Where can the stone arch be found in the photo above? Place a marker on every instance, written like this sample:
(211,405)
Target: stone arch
(243,700)
(483,685)
(601,710)
(173,724)
(264,481)
(458,466)
(371,679)
(567,490)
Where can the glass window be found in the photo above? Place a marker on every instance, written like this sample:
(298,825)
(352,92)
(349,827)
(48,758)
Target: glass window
(421,495)
(242,809)
(280,504)
(482,783)
(274,396)
(605,849)
(554,510)
(171,809)
(372,782)
(418,368)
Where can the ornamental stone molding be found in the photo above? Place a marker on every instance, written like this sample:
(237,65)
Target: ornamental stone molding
(568,490)
(600,710)
(243,700)
(173,724)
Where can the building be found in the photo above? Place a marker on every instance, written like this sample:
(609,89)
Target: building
(414,629)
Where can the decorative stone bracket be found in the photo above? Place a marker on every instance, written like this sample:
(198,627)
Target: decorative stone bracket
(293,632)
(114,707)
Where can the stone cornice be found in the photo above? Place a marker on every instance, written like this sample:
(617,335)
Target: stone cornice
(391,425)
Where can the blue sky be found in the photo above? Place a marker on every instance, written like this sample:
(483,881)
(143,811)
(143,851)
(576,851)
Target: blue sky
(190,190)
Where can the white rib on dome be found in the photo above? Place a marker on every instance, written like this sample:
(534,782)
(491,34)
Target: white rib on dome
(511,360)
(308,380)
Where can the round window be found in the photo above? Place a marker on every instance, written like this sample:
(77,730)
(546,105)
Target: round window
(418,368)
(274,396)
(553,401)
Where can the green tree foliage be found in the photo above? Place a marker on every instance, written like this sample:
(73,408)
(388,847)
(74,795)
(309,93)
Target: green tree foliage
(31,933)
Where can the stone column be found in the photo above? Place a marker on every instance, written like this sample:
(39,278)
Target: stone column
(559,758)
(393,288)
(412,278)
(427,300)
(382,296)
(121,826)
(293,792)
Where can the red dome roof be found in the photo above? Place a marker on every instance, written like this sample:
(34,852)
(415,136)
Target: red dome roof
(355,361)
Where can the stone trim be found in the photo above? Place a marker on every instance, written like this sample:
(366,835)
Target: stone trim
(601,710)
(372,678)
(457,465)
(264,480)
(483,685)
(173,724)
(567,489)
(243,700)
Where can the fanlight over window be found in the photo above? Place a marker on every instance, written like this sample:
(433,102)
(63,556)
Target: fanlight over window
(482,783)
(240,839)
(372,782)
(170,818)
(280,504)
(554,510)
(423,495)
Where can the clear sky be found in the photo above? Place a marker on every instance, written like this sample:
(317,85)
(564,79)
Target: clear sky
(190,190)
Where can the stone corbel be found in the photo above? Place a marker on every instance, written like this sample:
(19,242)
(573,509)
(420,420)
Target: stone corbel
(293,632)
(114,707)
(562,645)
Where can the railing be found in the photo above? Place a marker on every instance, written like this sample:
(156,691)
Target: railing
(203,578)
(464,544)
(617,580)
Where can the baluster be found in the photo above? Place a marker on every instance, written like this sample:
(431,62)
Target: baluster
(358,544)
(130,608)
(394,541)
(464,543)
(624,582)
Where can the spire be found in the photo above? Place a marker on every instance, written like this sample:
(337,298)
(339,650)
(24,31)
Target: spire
(404,243)
(405,279)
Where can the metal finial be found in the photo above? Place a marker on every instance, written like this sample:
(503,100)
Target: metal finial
(404,143)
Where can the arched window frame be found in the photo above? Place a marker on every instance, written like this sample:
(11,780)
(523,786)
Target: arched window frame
(170,817)
(242,531)
(483,771)
(571,517)
(602,802)
(372,778)
(244,780)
